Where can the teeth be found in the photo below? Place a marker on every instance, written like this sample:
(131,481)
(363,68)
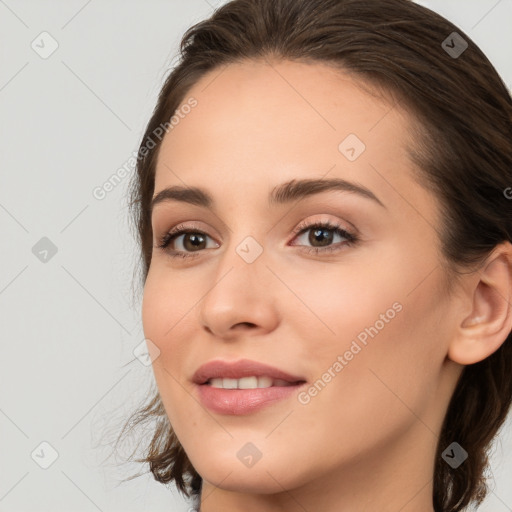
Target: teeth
(228,383)
(247,382)
(265,382)
(217,383)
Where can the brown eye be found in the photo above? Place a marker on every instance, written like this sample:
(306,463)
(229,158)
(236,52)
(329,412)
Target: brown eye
(322,235)
(193,241)
(181,241)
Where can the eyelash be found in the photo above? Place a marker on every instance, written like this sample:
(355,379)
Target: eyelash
(351,238)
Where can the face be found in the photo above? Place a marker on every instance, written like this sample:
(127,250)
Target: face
(353,305)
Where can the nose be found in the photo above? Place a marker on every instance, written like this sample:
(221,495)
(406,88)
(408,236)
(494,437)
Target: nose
(241,297)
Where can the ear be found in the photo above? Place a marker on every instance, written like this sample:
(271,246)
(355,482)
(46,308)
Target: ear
(484,330)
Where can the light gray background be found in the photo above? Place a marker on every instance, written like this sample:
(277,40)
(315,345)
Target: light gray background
(68,325)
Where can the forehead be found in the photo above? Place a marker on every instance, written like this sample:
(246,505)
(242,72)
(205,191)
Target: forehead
(257,124)
(260,105)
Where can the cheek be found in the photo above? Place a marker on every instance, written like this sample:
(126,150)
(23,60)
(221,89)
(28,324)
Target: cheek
(167,305)
(337,303)
(379,389)
(170,316)
(379,330)
(154,305)
(167,313)
(160,320)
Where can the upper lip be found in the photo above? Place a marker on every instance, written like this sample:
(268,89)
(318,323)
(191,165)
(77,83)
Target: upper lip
(238,369)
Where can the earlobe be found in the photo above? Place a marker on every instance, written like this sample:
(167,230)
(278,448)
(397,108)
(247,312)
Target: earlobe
(484,330)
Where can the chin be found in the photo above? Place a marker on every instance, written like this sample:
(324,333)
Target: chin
(246,482)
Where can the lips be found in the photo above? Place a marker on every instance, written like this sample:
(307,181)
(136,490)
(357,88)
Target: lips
(243,368)
(237,394)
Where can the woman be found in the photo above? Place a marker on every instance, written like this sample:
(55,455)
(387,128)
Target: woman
(325,235)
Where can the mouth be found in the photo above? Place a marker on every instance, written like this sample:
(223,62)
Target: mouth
(243,387)
(243,374)
(250,382)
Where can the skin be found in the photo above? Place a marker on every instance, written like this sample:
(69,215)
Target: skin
(367,440)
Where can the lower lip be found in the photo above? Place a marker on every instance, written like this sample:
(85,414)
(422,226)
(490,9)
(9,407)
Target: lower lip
(243,401)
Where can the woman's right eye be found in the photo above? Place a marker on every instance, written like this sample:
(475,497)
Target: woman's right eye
(191,240)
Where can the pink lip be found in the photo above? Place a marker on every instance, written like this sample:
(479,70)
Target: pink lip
(236,370)
(242,401)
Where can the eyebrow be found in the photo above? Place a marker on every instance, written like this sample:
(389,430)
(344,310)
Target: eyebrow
(282,194)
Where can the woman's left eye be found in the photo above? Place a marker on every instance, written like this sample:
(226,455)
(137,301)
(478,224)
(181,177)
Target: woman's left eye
(322,233)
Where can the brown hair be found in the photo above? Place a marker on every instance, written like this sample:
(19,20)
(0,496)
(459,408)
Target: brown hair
(464,154)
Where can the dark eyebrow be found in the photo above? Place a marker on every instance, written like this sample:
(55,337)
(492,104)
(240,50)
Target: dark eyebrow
(282,194)
(298,189)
